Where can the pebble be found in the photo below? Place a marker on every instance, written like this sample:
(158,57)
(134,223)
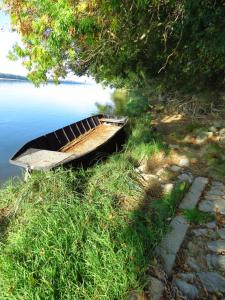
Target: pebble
(213,206)
(212,281)
(187,289)
(200,232)
(156,288)
(215,192)
(184,162)
(216,261)
(186,276)
(213,129)
(221,233)
(211,225)
(175,168)
(185,177)
(217,246)
(149,177)
(193,265)
(167,188)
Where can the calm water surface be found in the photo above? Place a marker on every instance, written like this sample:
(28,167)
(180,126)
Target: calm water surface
(27,112)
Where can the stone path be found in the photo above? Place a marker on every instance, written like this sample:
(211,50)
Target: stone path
(191,258)
(199,272)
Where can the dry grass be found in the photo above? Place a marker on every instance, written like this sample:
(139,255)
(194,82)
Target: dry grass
(154,189)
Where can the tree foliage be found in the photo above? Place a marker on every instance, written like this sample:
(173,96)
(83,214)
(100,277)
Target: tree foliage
(177,43)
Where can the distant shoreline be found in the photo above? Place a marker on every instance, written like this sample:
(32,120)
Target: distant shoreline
(8,80)
(18,78)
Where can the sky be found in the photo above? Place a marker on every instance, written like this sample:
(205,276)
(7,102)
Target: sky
(7,40)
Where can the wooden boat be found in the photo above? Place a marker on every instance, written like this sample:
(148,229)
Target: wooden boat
(76,144)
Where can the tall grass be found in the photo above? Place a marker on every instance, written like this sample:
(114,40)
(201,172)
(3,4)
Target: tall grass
(87,234)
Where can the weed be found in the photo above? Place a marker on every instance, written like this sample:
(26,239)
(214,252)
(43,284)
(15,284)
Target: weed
(198,217)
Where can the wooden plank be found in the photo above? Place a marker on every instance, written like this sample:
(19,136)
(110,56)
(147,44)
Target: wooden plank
(37,159)
(122,120)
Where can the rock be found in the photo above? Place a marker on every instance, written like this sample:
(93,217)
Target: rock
(170,245)
(211,225)
(184,162)
(221,233)
(156,288)
(212,281)
(222,132)
(174,146)
(187,289)
(200,232)
(160,171)
(213,129)
(167,188)
(217,205)
(217,184)
(222,141)
(189,277)
(215,192)
(175,168)
(185,177)
(218,123)
(210,134)
(191,198)
(214,197)
(193,265)
(142,169)
(216,261)
(217,246)
(149,177)
(201,138)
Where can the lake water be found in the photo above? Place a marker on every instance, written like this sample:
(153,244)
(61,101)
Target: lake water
(27,112)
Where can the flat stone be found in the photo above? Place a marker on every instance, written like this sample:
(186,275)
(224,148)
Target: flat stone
(193,265)
(211,225)
(187,289)
(216,262)
(160,171)
(171,243)
(174,146)
(221,233)
(149,177)
(213,206)
(200,232)
(190,277)
(191,198)
(167,188)
(184,162)
(175,168)
(214,197)
(217,184)
(213,129)
(156,288)
(212,281)
(222,131)
(217,246)
(215,192)
(185,177)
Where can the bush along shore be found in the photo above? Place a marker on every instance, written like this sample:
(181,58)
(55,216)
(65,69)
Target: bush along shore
(86,234)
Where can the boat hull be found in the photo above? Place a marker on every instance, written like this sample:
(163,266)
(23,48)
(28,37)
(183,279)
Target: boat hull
(79,144)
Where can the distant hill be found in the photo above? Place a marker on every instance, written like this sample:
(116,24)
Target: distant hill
(12,77)
(4,76)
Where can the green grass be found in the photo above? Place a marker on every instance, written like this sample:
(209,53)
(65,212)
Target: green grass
(87,234)
(198,217)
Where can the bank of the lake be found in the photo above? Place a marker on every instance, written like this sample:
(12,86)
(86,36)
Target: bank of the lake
(85,234)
